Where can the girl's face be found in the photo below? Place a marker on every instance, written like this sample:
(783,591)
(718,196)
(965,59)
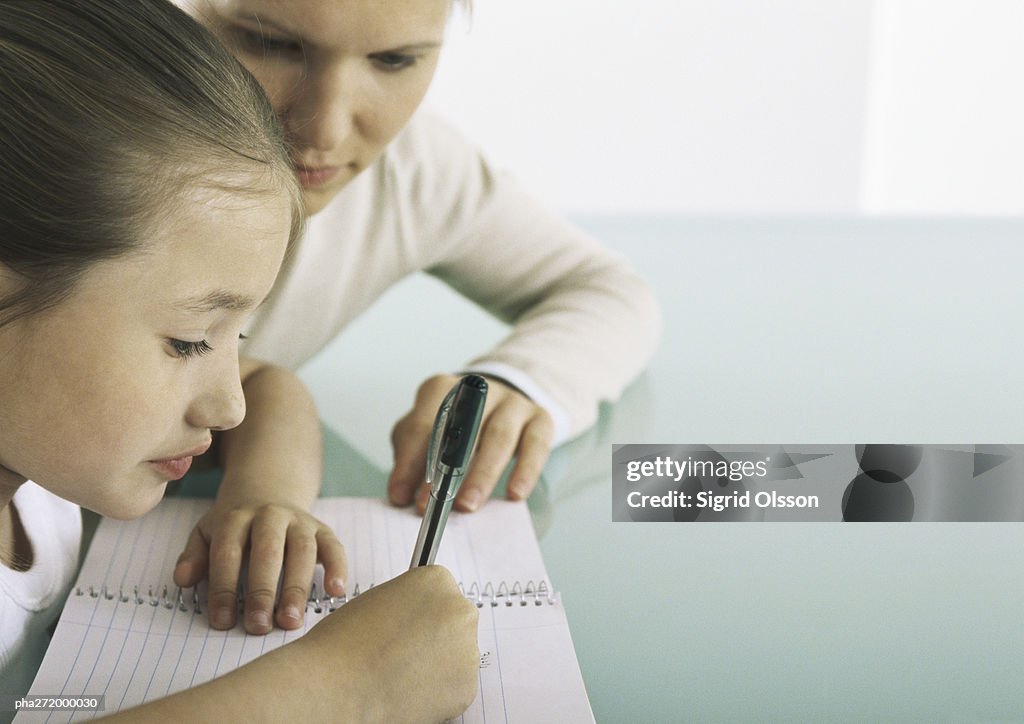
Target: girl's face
(344,75)
(108,395)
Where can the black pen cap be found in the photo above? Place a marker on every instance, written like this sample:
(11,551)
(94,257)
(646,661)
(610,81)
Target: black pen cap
(464,421)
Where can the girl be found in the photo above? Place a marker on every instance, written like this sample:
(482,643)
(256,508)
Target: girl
(393,191)
(146,203)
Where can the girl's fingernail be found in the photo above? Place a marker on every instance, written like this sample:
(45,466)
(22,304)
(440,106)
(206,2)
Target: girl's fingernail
(260,619)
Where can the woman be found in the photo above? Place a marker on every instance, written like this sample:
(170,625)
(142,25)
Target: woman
(146,203)
(391,190)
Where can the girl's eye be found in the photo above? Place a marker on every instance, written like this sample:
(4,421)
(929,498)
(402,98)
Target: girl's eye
(393,61)
(258,43)
(188,350)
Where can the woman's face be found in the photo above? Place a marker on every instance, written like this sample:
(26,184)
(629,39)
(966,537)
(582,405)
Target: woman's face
(344,75)
(108,395)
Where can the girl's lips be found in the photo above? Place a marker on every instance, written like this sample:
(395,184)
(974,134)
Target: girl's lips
(176,467)
(313,177)
(173,469)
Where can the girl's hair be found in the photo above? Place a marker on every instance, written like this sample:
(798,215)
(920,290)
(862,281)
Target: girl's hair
(110,111)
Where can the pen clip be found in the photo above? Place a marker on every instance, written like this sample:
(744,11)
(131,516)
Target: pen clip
(437,435)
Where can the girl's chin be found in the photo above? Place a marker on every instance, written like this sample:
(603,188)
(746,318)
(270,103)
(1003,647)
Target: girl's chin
(125,507)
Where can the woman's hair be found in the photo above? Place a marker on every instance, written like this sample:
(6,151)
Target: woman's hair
(110,112)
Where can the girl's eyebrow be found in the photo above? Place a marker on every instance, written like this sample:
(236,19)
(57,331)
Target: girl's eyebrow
(218,299)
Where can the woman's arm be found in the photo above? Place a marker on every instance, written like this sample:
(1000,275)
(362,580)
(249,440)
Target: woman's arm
(584,324)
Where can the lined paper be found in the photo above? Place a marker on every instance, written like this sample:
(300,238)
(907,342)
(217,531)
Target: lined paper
(129,633)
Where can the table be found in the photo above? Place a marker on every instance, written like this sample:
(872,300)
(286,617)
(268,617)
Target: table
(832,330)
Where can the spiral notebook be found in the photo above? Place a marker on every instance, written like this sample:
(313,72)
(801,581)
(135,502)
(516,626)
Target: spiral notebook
(128,633)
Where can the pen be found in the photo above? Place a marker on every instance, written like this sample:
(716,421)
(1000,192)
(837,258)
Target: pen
(451,444)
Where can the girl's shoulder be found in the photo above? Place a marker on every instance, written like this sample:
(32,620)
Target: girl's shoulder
(53,527)
(30,600)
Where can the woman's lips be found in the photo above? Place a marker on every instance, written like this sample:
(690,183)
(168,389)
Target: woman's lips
(311,177)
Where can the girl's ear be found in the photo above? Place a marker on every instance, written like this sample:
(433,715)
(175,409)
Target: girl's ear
(11,284)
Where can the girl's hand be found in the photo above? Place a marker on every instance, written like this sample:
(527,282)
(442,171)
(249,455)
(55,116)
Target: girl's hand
(513,425)
(282,542)
(407,647)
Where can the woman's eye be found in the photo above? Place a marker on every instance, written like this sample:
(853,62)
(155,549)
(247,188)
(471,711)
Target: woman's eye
(393,61)
(188,350)
(259,43)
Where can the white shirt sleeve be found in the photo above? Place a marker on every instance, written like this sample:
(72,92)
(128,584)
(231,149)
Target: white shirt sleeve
(30,600)
(584,324)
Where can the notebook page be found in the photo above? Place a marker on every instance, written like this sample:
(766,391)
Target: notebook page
(127,632)
(496,544)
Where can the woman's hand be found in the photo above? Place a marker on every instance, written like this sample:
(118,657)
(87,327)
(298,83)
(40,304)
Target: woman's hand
(513,425)
(279,540)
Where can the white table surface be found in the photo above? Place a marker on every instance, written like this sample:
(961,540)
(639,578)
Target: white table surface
(787,331)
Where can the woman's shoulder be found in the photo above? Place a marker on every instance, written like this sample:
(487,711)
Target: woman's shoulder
(428,136)
(428,164)
(432,166)
(430,181)
(432,152)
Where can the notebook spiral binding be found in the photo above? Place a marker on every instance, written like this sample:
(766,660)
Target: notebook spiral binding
(518,595)
(487,595)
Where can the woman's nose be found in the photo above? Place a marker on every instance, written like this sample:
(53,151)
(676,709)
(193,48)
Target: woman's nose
(321,115)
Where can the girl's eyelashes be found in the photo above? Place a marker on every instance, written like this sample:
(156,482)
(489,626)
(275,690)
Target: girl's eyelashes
(189,350)
(393,61)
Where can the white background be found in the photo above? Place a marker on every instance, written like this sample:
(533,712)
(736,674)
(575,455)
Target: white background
(746,106)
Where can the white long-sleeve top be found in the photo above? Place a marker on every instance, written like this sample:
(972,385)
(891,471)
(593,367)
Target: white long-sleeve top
(583,323)
(30,600)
